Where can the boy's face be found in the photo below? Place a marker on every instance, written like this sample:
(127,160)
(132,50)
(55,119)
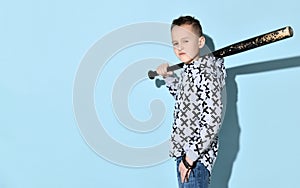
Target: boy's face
(186,43)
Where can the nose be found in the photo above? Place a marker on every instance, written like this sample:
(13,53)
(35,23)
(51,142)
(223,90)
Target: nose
(180,47)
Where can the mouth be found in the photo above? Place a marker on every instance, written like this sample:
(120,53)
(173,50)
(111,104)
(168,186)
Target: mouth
(181,53)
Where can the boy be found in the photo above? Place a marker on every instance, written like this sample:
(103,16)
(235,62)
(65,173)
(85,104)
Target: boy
(198,107)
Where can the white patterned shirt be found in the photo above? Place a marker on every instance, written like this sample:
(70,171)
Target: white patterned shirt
(198,109)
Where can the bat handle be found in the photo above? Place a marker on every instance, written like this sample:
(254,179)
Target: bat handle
(152,74)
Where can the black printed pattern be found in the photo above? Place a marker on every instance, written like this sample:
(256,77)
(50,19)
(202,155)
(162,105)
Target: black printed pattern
(198,109)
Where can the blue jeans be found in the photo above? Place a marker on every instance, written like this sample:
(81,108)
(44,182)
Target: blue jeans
(199,176)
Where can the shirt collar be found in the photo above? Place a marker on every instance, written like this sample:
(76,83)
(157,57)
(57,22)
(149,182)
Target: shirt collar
(192,65)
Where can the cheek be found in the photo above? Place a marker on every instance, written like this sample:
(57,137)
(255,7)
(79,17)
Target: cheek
(196,46)
(175,50)
(193,49)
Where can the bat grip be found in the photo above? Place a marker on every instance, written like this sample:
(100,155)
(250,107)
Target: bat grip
(153,74)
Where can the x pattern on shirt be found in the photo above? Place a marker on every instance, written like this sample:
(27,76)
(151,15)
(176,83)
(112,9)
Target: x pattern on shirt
(198,109)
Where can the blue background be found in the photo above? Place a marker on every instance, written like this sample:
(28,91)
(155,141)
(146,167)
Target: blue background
(43,42)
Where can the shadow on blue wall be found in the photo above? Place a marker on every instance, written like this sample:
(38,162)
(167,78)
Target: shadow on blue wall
(229,135)
(230,131)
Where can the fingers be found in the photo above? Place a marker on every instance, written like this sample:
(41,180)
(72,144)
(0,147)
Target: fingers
(163,70)
(184,173)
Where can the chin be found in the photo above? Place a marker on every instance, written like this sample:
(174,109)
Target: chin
(186,60)
(183,58)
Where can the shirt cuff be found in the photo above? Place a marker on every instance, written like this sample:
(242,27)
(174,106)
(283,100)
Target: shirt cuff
(170,79)
(192,155)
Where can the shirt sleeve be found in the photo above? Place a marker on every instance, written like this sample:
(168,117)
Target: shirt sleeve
(172,83)
(210,85)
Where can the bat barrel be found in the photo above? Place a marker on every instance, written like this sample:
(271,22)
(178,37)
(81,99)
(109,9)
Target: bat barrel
(255,42)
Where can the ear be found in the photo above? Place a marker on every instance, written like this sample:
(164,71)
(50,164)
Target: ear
(201,41)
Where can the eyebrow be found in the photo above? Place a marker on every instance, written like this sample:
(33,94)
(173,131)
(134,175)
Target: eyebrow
(180,39)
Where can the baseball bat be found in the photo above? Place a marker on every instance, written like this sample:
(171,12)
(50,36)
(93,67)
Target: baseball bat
(248,44)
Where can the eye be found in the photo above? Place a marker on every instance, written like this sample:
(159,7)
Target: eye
(175,43)
(185,41)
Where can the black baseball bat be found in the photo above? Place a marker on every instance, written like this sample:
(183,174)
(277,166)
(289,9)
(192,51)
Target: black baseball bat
(248,44)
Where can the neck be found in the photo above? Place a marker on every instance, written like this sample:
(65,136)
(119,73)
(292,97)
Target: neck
(195,58)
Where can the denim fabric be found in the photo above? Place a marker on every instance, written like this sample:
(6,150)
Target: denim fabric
(199,176)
